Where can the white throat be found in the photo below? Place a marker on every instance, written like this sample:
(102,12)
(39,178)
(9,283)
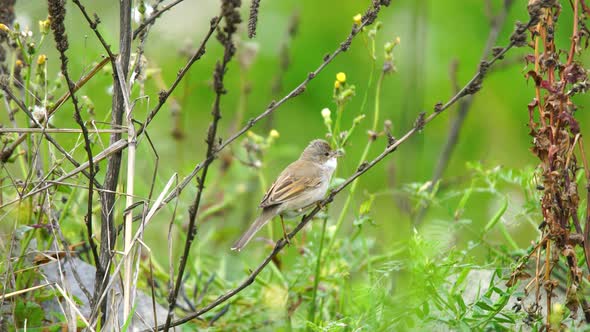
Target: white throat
(331,164)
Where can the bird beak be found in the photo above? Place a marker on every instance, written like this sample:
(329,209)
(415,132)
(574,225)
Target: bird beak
(338,153)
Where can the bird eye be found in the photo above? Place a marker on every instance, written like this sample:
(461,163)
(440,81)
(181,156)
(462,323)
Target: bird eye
(326,154)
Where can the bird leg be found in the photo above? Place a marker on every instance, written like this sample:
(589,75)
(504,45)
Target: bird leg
(284,230)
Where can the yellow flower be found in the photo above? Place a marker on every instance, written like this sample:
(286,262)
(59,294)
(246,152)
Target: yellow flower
(41,59)
(44,26)
(274,134)
(357,19)
(336,84)
(341,77)
(558,308)
(19,63)
(4,28)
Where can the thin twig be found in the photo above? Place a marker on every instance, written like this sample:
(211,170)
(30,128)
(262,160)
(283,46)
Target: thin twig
(49,138)
(150,20)
(128,288)
(113,148)
(80,83)
(93,25)
(225,35)
(60,130)
(165,94)
(57,14)
(8,151)
(26,290)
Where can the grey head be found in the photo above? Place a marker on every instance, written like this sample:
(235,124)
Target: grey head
(319,151)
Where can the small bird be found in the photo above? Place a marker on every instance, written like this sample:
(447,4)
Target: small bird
(302,184)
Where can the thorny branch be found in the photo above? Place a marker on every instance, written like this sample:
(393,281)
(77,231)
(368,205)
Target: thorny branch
(556,133)
(470,88)
(230,13)
(57,13)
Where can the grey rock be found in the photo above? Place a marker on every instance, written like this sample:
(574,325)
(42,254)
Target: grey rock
(143,317)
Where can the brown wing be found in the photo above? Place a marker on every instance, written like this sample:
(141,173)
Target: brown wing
(290,184)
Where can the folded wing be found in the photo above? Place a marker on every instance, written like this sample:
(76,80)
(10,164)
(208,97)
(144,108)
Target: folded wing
(289,186)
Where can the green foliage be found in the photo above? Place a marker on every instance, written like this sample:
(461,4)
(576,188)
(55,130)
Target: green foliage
(29,314)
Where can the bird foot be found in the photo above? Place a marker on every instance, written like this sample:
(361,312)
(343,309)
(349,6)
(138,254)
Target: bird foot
(285,232)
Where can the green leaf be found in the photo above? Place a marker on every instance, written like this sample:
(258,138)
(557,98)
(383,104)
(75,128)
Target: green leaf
(46,294)
(365,207)
(129,318)
(466,195)
(460,279)
(30,312)
(426,308)
(460,302)
(484,305)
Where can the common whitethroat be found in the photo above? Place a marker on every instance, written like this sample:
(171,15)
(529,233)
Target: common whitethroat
(299,186)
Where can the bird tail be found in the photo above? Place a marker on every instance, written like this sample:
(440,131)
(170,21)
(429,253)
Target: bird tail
(264,217)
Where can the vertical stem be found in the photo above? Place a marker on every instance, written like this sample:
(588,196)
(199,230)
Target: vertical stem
(344,209)
(108,233)
(547,278)
(336,131)
(570,57)
(128,290)
(537,88)
(230,12)
(316,281)
(587,225)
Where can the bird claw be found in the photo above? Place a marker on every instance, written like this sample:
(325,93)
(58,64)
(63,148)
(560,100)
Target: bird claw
(285,232)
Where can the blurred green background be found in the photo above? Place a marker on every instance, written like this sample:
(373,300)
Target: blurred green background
(433,35)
